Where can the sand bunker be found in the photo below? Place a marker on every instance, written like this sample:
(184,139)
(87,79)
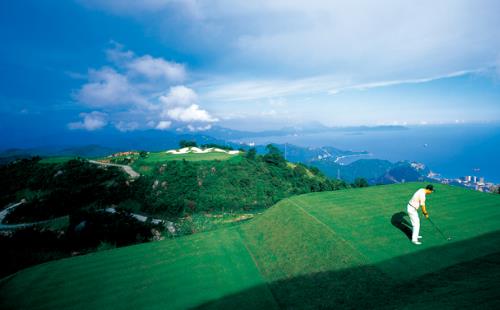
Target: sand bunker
(195,150)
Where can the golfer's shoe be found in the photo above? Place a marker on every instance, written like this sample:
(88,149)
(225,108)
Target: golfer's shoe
(417,242)
(419,237)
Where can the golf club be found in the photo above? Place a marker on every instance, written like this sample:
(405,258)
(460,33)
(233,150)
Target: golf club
(437,228)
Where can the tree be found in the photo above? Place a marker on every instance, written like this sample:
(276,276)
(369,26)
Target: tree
(360,182)
(251,154)
(143,154)
(274,156)
(218,146)
(314,170)
(186,143)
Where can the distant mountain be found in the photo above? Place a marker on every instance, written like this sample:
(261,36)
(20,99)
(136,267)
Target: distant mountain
(375,171)
(307,128)
(403,172)
(103,143)
(95,144)
(365,168)
(153,140)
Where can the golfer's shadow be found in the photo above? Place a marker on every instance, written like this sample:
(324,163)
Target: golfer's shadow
(398,220)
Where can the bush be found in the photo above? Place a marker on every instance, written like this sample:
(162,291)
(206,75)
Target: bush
(218,146)
(274,156)
(360,182)
(186,143)
(251,154)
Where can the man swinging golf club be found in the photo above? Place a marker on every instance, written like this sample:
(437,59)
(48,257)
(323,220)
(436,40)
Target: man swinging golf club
(416,201)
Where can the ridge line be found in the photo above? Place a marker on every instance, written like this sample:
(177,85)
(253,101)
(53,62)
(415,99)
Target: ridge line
(266,283)
(364,258)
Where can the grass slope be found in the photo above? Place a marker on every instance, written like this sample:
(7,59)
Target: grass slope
(333,249)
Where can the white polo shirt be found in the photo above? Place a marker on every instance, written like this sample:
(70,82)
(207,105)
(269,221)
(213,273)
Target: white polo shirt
(418,199)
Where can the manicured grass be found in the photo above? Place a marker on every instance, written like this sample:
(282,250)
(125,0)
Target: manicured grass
(335,249)
(362,217)
(146,165)
(154,157)
(176,274)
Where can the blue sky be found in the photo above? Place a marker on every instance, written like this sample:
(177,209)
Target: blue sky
(92,65)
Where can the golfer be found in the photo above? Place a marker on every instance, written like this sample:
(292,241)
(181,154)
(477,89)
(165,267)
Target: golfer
(416,201)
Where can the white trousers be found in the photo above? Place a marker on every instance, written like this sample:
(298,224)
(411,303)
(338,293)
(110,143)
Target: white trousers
(415,222)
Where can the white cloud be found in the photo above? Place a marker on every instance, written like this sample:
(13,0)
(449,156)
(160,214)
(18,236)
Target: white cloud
(118,55)
(399,82)
(366,41)
(91,121)
(154,68)
(180,104)
(132,92)
(198,128)
(179,96)
(193,113)
(257,50)
(106,87)
(125,126)
(245,90)
(146,66)
(251,90)
(162,125)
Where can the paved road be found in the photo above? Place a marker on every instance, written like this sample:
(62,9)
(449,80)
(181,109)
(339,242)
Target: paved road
(125,168)
(4,212)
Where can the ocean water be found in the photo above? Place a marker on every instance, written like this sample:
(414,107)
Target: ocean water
(451,150)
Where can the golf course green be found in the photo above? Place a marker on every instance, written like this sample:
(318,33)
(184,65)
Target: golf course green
(340,249)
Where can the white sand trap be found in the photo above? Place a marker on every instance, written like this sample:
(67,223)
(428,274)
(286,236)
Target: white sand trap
(181,151)
(196,150)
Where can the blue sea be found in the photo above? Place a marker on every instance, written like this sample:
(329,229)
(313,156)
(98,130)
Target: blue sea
(450,150)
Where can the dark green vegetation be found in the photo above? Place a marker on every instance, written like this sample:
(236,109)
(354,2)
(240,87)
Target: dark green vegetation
(338,249)
(172,185)
(57,189)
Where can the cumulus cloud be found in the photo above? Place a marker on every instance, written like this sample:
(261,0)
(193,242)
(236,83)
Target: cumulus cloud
(140,91)
(180,104)
(179,96)
(193,113)
(154,68)
(91,121)
(125,126)
(146,66)
(162,125)
(132,80)
(107,87)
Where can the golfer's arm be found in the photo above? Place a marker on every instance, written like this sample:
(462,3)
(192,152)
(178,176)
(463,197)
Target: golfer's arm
(424,210)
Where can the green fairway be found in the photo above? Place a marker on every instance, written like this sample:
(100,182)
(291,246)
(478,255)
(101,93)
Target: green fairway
(154,157)
(145,165)
(179,274)
(338,249)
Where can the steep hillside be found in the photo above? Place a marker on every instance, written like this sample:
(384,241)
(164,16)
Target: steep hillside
(344,249)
